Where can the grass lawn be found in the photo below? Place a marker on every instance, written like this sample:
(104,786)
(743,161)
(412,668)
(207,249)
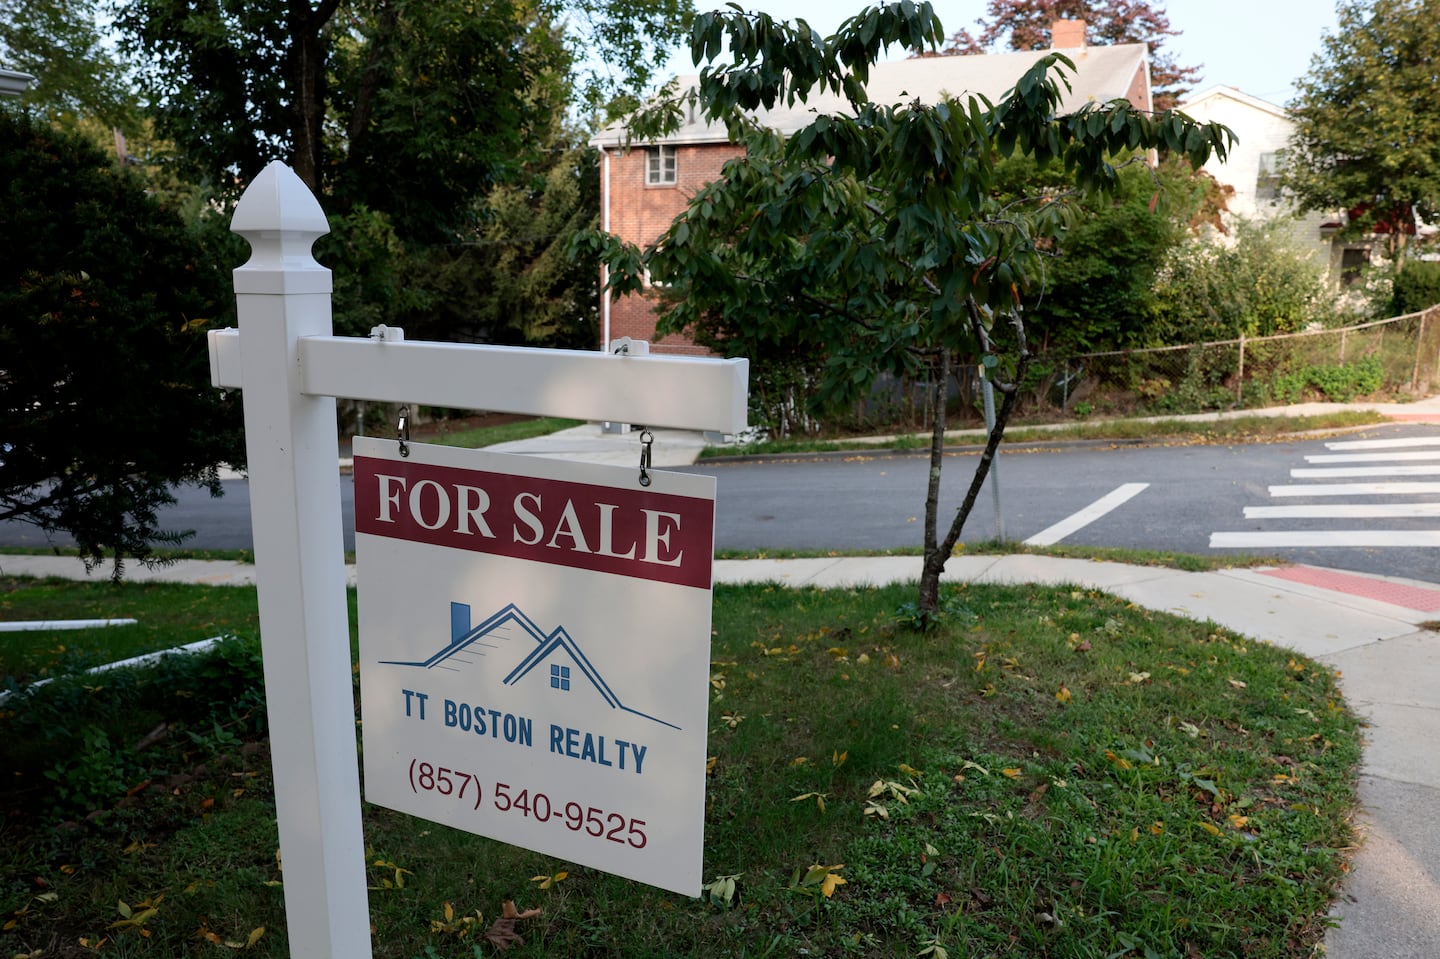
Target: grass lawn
(463,434)
(1052,772)
(168,615)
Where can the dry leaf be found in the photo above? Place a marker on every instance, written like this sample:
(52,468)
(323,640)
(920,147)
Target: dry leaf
(508,911)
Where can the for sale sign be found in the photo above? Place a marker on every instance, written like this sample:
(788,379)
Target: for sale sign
(534,652)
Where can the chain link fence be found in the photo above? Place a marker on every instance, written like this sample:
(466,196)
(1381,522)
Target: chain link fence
(1395,358)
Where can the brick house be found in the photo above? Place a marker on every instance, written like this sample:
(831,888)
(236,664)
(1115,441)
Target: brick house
(645,185)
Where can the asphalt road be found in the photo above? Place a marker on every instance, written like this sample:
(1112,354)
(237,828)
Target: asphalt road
(1189,494)
(1192,499)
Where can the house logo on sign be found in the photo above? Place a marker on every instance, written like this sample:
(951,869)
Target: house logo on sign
(555,655)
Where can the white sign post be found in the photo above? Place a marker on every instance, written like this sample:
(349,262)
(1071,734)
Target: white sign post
(291,370)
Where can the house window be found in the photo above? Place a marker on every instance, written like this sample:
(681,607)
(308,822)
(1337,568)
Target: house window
(1267,179)
(1353,261)
(660,166)
(560,677)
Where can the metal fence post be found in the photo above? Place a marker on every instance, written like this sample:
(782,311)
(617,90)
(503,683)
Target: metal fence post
(282,295)
(1240,375)
(1419,345)
(988,391)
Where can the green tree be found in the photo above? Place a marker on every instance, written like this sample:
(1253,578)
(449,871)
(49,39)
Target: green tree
(874,234)
(508,279)
(76,73)
(420,123)
(412,107)
(1025,25)
(1096,290)
(105,395)
(1367,120)
(409,107)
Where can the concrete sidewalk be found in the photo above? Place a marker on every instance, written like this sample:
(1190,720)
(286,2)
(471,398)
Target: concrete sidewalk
(1367,627)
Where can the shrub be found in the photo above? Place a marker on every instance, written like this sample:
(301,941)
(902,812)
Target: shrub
(105,299)
(1417,287)
(72,740)
(1339,384)
(1259,285)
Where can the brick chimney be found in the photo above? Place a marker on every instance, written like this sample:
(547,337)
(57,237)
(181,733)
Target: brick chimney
(1067,34)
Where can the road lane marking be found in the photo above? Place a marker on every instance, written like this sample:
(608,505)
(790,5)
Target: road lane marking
(1400,457)
(1356,489)
(1076,521)
(1339,471)
(1345,511)
(1327,537)
(1384,444)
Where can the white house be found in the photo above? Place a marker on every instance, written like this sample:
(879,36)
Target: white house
(1252,170)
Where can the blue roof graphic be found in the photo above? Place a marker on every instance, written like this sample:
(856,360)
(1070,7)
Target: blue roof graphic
(467,643)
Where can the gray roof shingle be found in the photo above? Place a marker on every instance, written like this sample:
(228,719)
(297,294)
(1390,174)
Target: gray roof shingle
(1102,73)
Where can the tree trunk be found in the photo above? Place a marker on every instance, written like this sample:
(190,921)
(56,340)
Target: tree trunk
(305,73)
(929,600)
(936,554)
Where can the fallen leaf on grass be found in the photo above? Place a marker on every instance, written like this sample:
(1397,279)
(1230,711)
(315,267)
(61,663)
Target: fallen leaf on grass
(549,882)
(1062,695)
(502,934)
(818,797)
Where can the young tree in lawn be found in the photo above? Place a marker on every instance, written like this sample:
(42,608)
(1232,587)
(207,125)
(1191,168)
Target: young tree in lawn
(874,234)
(105,395)
(1026,24)
(1367,120)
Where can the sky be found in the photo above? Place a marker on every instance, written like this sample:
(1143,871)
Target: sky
(1260,46)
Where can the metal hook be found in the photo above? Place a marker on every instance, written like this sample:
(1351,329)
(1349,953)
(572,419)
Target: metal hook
(403,431)
(647,439)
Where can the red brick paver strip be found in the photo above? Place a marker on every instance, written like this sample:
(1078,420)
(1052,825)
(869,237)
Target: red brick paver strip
(1396,594)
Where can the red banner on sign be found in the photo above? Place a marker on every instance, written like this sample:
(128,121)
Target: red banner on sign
(628,532)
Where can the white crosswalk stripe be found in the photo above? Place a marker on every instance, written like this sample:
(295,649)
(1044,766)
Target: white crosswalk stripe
(1338,471)
(1358,489)
(1344,511)
(1361,521)
(1391,444)
(1391,457)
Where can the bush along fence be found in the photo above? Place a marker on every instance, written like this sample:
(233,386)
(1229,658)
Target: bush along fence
(1383,359)
(1395,357)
